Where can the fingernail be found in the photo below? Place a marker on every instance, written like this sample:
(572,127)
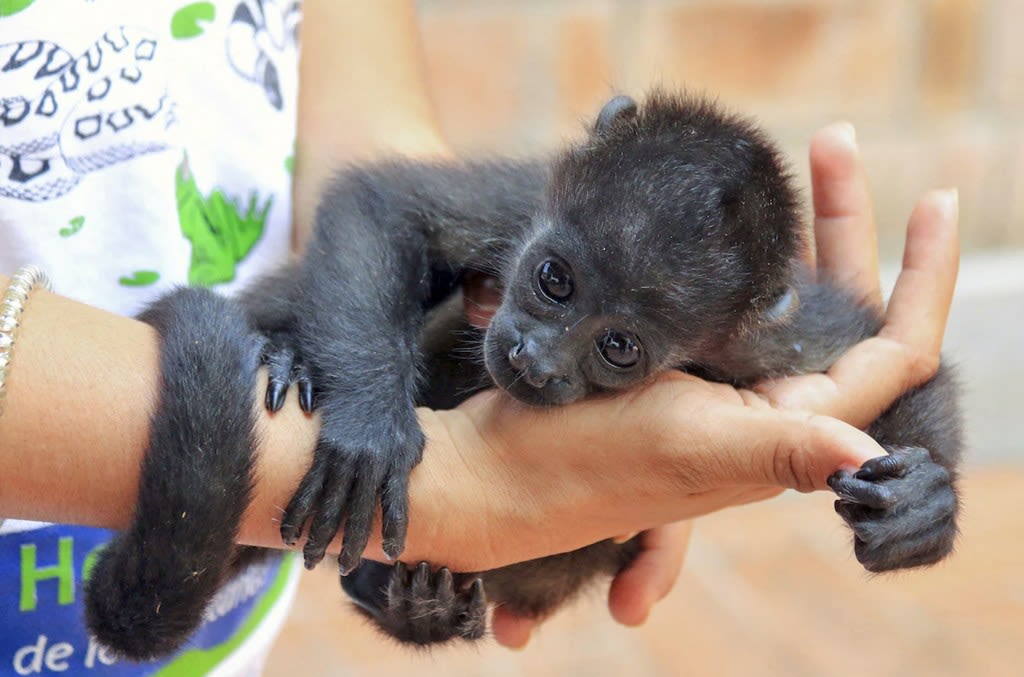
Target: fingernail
(949,202)
(846,131)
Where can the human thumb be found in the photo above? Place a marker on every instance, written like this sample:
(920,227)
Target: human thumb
(793,450)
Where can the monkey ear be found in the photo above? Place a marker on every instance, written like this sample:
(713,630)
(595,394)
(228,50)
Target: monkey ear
(620,108)
(784,308)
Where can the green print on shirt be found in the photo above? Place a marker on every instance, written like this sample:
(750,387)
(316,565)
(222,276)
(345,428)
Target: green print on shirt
(74,225)
(222,230)
(187,21)
(140,278)
(9,7)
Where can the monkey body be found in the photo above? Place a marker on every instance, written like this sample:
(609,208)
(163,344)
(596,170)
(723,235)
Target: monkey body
(668,239)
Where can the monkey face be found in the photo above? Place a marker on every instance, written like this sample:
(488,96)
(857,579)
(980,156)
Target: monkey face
(559,334)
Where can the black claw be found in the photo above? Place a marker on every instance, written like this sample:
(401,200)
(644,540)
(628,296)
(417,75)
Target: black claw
(306,395)
(291,531)
(276,392)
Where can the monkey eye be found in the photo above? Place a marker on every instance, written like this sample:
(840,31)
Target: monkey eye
(554,280)
(619,349)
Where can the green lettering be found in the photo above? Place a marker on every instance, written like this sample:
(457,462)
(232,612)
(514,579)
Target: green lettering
(90,561)
(63,571)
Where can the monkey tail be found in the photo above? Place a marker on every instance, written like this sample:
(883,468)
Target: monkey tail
(150,586)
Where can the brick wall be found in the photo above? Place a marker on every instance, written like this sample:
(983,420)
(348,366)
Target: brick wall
(935,87)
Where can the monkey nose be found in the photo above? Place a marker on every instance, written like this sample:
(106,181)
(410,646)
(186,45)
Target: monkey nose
(529,369)
(517,357)
(536,377)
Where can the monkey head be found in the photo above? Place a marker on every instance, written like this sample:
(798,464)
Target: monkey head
(666,233)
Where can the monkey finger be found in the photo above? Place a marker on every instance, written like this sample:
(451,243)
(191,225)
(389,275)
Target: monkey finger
(330,508)
(360,506)
(394,509)
(299,507)
(652,575)
(846,243)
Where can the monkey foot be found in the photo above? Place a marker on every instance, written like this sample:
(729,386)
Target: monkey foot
(419,606)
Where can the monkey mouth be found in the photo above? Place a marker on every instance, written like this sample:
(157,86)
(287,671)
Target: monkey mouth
(517,382)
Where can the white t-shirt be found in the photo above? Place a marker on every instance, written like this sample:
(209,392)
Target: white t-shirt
(142,145)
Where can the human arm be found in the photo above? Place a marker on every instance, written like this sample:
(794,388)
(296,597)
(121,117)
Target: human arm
(363,94)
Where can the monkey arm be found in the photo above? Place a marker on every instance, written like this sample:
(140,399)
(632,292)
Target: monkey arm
(357,300)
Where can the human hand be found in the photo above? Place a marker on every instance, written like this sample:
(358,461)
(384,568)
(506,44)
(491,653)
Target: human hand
(634,591)
(907,348)
(905,353)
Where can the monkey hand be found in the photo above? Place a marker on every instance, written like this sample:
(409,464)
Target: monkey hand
(902,509)
(363,453)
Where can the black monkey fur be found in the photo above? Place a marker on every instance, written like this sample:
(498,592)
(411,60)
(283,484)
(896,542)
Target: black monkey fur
(668,239)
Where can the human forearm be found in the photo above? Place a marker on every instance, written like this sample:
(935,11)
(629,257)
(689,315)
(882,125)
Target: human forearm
(80,392)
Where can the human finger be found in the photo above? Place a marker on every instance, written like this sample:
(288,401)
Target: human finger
(651,576)
(481,296)
(920,301)
(846,243)
(754,447)
(906,351)
(510,630)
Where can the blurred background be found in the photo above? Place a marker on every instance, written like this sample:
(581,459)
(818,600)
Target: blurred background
(935,89)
